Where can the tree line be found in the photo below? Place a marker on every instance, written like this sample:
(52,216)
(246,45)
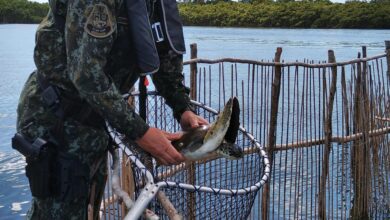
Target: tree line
(288,14)
(253,13)
(22,11)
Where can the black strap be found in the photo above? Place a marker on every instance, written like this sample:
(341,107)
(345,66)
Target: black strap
(141,37)
(65,106)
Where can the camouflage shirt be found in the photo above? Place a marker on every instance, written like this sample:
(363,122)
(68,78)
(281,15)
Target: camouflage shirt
(91,58)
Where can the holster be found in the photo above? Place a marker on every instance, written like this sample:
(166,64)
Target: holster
(39,170)
(41,177)
(50,172)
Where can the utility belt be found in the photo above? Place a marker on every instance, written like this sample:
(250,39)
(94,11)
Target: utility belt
(52,173)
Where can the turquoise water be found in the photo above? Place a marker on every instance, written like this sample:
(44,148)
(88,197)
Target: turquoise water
(16,62)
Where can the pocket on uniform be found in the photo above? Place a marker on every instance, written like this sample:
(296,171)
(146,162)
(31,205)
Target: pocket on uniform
(39,177)
(74,178)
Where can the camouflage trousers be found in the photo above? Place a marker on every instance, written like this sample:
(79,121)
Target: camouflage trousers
(88,145)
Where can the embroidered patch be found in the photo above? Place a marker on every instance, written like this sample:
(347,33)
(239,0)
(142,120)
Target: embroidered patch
(99,23)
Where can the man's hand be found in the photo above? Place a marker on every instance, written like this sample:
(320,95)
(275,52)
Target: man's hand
(190,120)
(157,143)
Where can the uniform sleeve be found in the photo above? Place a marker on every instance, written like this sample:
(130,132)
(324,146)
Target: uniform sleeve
(169,83)
(90,32)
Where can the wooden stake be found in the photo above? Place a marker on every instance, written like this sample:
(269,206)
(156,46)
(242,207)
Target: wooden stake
(275,95)
(367,125)
(328,137)
(170,209)
(345,101)
(193,71)
(387,43)
(358,151)
(193,95)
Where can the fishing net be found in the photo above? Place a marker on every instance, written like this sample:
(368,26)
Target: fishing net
(216,188)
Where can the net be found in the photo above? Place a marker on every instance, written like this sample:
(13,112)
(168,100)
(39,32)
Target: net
(217,188)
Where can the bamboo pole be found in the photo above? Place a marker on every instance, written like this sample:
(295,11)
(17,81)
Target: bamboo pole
(315,142)
(275,94)
(382,119)
(366,174)
(128,181)
(358,152)
(387,44)
(193,71)
(361,155)
(172,213)
(335,139)
(192,168)
(345,101)
(328,138)
(281,147)
(299,64)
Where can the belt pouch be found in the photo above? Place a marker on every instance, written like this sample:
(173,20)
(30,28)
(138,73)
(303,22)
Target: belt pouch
(74,178)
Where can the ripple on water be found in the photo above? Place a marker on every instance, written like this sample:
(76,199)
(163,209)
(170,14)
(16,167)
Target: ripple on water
(11,163)
(14,184)
(17,206)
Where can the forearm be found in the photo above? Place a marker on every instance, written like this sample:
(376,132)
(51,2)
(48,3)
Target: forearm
(169,83)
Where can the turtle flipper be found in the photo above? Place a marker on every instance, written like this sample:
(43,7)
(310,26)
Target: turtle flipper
(234,125)
(218,129)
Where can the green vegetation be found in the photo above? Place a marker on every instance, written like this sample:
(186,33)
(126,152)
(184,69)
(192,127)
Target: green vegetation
(263,13)
(22,11)
(254,13)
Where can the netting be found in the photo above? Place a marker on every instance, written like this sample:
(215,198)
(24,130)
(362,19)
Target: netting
(217,188)
(220,174)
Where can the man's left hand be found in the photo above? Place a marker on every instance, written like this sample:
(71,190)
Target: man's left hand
(190,120)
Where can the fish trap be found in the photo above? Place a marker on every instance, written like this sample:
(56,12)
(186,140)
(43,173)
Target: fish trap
(216,188)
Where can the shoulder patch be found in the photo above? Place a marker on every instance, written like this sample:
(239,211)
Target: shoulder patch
(99,23)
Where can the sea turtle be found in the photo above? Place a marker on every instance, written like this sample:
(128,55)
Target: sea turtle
(217,139)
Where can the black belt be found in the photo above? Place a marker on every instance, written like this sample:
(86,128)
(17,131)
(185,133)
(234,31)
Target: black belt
(64,106)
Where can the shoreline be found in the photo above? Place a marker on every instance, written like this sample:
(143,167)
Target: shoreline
(292,15)
(245,27)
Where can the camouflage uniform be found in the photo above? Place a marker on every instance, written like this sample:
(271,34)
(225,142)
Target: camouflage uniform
(94,66)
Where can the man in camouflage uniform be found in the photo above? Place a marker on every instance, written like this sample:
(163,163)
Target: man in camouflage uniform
(91,65)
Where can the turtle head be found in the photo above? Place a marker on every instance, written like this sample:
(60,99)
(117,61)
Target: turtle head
(230,151)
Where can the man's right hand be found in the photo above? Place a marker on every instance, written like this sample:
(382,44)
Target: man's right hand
(158,144)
